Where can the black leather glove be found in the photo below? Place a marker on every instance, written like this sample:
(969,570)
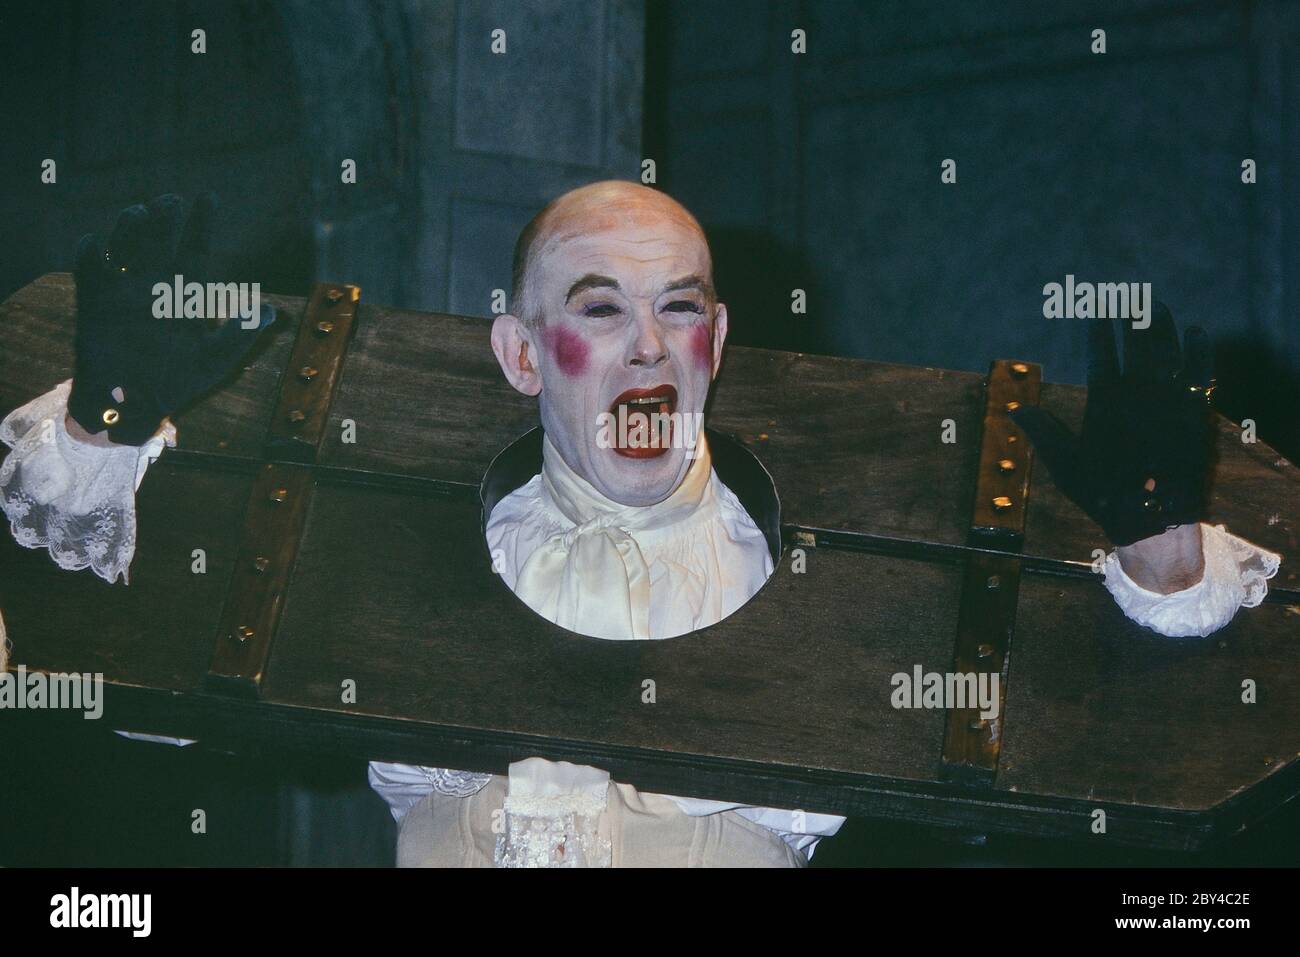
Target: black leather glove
(155,366)
(1142,463)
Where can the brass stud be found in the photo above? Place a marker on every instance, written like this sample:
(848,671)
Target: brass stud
(111,416)
(1012,406)
(993,583)
(307,373)
(278,496)
(1006,465)
(324,327)
(1001,503)
(1012,439)
(261,563)
(334,296)
(297,416)
(985,651)
(1019,370)
(979,724)
(242,634)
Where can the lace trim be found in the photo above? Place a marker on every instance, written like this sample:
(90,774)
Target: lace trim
(1236,576)
(554,811)
(572,840)
(1257,567)
(456,783)
(73,499)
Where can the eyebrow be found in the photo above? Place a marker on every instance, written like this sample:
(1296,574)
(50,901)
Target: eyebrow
(693,281)
(594,281)
(591,281)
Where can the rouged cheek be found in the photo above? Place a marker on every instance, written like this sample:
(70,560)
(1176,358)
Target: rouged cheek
(702,347)
(570,350)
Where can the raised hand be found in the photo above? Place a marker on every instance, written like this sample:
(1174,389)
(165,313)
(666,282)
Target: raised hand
(1141,464)
(133,369)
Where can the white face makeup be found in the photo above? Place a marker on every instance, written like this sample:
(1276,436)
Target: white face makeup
(621,282)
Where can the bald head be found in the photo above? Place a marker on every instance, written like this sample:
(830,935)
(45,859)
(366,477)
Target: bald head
(589,209)
(613,304)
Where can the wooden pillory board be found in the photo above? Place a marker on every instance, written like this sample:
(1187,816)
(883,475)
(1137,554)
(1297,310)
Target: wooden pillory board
(329,561)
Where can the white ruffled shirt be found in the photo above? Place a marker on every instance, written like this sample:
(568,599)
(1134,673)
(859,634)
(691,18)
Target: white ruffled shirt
(700,552)
(78,501)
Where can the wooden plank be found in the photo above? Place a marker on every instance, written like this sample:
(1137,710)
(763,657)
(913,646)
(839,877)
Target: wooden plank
(786,702)
(853,445)
(1102,710)
(799,676)
(273,522)
(281,495)
(1006,457)
(986,622)
(314,368)
(282,730)
(845,440)
(972,740)
(427,397)
(156,631)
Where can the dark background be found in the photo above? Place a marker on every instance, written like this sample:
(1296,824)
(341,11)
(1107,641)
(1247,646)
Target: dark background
(817,171)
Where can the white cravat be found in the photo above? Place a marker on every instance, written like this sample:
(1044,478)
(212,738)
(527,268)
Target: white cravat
(593,578)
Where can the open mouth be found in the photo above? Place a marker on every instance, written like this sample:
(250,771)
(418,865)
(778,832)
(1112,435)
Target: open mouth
(644,421)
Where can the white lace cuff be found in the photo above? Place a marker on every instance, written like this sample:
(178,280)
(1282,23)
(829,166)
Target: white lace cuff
(75,499)
(1236,576)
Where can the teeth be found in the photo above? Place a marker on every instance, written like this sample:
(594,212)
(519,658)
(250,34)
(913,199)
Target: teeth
(648,400)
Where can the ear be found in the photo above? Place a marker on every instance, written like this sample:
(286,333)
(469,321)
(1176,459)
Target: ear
(512,342)
(719,337)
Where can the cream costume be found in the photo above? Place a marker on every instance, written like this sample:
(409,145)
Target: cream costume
(594,567)
(619,572)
